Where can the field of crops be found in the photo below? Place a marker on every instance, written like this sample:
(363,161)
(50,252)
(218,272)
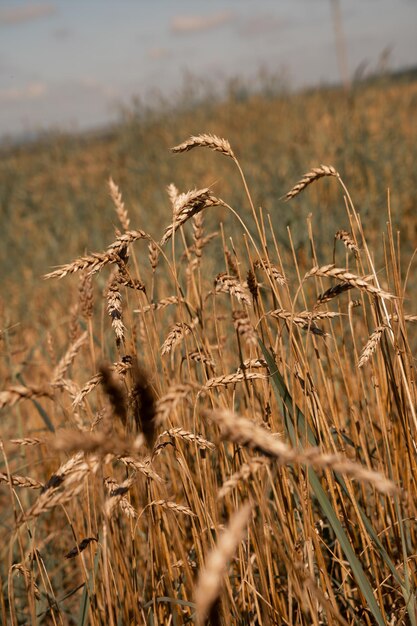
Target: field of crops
(207,328)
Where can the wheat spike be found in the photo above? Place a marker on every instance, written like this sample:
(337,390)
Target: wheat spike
(173,193)
(162,304)
(16,393)
(205,140)
(304,322)
(185,435)
(63,486)
(68,358)
(86,296)
(244,327)
(272,271)
(246,471)
(345,276)
(232,379)
(117,497)
(232,262)
(173,506)
(153,255)
(114,391)
(247,433)
(20,481)
(186,206)
(121,367)
(95,261)
(122,241)
(371,345)
(98,443)
(407,318)
(119,205)
(27,441)
(348,241)
(255,363)
(225,283)
(142,398)
(176,335)
(80,547)
(310,177)
(168,403)
(143,467)
(210,578)
(252,284)
(333,292)
(114,309)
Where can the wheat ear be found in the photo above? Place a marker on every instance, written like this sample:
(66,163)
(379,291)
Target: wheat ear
(210,579)
(310,177)
(205,140)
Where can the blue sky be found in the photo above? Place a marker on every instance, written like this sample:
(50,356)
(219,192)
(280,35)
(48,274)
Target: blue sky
(70,63)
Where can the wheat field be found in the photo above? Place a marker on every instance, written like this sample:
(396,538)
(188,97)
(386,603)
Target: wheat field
(228,435)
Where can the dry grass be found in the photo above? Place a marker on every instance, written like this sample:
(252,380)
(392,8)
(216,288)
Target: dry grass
(233,465)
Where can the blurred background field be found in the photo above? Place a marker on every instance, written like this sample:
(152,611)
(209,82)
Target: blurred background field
(54,196)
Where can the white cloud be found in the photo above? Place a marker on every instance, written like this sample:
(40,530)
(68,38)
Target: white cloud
(31,91)
(196,23)
(26,13)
